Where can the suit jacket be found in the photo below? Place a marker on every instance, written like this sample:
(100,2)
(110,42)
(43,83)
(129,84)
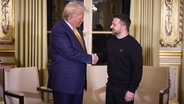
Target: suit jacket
(67,72)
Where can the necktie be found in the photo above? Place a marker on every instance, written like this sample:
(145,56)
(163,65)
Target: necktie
(79,38)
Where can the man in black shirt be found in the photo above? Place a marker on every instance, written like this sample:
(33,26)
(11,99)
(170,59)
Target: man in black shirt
(124,62)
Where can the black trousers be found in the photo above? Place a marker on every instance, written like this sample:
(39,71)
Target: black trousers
(116,95)
(65,98)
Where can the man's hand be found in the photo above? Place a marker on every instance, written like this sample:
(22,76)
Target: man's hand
(129,96)
(94,58)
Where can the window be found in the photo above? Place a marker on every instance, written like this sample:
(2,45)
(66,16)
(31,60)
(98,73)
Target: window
(103,11)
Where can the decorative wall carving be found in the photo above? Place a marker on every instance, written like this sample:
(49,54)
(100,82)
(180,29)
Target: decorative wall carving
(171,22)
(6,21)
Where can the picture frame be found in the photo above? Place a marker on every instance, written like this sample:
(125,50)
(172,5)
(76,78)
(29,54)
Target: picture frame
(6,21)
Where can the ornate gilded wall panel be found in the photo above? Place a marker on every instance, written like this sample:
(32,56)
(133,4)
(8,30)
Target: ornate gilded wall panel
(6,21)
(171,22)
(7,32)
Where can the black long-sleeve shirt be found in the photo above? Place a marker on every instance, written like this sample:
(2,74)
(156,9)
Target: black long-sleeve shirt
(124,58)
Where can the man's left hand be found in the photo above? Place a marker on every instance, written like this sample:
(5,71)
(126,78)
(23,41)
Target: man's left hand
(129,96)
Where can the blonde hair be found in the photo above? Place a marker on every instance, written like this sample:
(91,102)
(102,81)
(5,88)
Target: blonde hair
(71,8)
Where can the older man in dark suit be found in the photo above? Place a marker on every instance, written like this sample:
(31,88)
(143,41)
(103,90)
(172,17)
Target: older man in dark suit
(67,73)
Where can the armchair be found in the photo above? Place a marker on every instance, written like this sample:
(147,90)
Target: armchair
(154,87)
(21,86)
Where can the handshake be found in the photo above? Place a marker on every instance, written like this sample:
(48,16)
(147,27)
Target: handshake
(94,58)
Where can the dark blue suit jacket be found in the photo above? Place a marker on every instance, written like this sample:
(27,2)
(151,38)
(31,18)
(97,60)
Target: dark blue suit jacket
(67,72)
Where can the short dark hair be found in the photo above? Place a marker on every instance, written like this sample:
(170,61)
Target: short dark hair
(124,19)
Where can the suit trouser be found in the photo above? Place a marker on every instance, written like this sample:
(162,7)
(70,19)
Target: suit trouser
(66,98)
(115,95)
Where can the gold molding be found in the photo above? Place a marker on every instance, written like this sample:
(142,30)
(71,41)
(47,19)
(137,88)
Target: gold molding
(7,50)
(171,64)
(101,32)
(170,54)
(181,19)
